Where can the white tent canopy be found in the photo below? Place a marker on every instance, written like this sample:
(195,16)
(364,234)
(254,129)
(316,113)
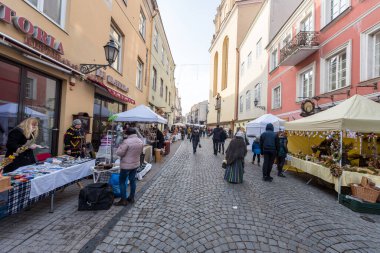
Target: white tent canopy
(356,114)
(140,113)
(257,127)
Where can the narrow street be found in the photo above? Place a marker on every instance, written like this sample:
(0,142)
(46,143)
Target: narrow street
(190,208)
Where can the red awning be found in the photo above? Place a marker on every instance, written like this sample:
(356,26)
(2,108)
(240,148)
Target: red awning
(113,92)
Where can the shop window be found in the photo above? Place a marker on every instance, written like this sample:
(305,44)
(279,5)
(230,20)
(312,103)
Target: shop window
(55,10)
(142,24)
(139,77)
(154,81)
(116,36)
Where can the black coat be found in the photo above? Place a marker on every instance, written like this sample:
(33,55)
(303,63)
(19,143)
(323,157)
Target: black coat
(216,134)
(195,138)
(223,135)
(269,142)
(16,139)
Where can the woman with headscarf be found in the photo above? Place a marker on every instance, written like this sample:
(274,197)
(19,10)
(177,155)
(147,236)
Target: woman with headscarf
(235,154)
(74,139)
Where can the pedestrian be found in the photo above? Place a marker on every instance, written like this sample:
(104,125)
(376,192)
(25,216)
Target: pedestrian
(188,132)
(256,150)
(129,152)
(230,133)
(223,137)
(282,152)
(195,138)
(269,147)
(215,138)
(241,132)
(74,140)
(235,154)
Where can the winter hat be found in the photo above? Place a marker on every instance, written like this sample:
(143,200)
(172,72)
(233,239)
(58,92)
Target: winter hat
(77,122)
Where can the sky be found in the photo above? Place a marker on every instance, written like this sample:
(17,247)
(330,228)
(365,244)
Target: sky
(189,28)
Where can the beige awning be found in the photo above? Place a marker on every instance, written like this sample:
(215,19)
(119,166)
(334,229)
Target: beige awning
(357,113)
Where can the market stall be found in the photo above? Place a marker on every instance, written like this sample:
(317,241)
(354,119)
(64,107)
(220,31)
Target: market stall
(34,182)
(338,145)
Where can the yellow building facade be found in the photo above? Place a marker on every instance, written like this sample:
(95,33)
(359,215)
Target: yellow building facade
(42,46)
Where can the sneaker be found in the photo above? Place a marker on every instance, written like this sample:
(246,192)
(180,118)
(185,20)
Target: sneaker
(281,175)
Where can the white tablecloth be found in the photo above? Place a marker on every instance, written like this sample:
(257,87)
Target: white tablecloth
(49,182)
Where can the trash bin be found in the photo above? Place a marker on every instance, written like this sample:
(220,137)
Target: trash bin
(157,155)
(167,147)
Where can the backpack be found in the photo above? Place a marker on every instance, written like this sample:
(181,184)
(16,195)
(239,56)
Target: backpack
(98,196)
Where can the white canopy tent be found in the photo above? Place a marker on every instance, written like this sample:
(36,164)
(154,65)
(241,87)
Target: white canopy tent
(356,114)
(257,127)
(140,113)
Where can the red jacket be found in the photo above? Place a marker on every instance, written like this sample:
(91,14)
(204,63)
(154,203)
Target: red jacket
(129,152)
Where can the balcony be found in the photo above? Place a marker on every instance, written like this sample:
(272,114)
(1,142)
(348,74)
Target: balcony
(299,48)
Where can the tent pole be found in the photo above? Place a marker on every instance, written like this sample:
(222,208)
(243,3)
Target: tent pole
(340,163)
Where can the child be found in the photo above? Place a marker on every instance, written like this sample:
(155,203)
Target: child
(256,150)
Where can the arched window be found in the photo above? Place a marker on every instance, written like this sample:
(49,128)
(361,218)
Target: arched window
(225,63)
(241,103)
(215,86)
(248,100)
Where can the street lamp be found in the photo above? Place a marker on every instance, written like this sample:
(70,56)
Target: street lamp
(111,50)
(256,103)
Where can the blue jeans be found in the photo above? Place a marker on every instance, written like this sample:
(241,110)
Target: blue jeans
(131,175)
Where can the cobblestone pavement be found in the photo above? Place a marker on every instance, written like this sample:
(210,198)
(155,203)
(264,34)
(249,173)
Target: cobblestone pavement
(190,208)
(65,230)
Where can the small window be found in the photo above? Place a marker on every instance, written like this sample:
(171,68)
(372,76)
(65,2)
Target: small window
(273,59)
(155,39)
(248,100)
(139,74)
(162,55)
(242,69)
(331,9)
(258,93)
(55,10)
(154,81)
(306,84)
(115,35)
(307,24)
(142,25)
(276,97)
(166,93)
(249,60)
(241,104)
(258,48)
(337,71)
(162,88)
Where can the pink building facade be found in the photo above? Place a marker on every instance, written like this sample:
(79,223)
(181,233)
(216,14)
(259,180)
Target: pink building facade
(327,51)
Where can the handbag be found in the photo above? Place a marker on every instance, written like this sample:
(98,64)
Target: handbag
(98,196)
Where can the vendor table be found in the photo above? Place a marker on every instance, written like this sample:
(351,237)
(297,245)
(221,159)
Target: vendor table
(323,173)
(24,194)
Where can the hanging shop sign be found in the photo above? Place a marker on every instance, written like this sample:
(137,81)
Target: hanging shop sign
(25,26)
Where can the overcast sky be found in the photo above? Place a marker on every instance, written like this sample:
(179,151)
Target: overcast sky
(189,27)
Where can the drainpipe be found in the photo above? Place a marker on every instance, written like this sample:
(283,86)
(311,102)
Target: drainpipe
(236,116)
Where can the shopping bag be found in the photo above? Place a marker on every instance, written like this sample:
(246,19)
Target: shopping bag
(96,196)
(114,182)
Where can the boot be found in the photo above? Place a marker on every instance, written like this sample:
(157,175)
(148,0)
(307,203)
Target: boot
(131,200)
(121,202)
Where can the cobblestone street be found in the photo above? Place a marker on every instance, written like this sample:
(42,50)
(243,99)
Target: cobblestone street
(188,207)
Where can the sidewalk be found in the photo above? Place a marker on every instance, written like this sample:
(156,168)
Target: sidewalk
(65,230)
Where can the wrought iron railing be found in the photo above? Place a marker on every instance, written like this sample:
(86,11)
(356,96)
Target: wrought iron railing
(301,40)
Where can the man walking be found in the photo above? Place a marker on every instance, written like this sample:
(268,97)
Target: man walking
(215,138)
(269,146)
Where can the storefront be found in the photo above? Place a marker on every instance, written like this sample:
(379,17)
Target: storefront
(28,93)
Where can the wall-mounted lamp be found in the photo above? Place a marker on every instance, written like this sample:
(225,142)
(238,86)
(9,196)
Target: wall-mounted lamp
(111,50)
(256,103)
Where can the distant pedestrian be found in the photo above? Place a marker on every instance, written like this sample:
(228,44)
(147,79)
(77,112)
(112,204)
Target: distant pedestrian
(269,148)
(235,154)
(188,133)
(215,138)
(282,152)
(256,150)
(230,133)
(129,152)
(195,139)
(223,137)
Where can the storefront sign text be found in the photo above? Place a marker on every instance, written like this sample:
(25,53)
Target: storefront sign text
(25,26)
(116,83)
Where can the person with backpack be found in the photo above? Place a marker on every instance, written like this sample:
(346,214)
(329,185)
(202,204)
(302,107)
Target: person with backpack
(256,150)
(269,146)
(282,153)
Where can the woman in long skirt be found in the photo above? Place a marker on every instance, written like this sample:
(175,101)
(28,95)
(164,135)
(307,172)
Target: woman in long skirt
(235,154)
